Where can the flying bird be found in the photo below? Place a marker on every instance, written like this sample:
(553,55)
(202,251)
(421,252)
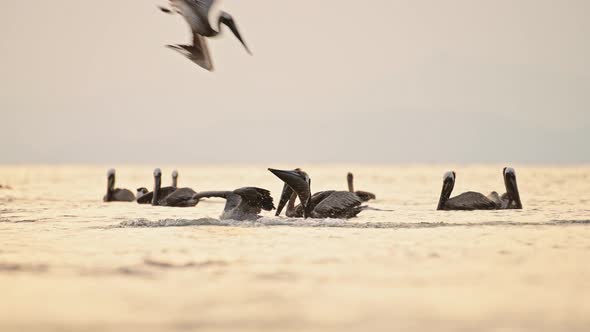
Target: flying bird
(204,23)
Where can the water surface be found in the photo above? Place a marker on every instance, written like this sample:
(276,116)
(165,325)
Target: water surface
(70,262)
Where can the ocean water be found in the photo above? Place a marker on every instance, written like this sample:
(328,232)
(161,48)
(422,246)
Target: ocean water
(69,262)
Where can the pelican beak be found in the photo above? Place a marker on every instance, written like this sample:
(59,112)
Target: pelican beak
(285,196)
(512,187)
(292,178)
(296,182)
(447,189)
(157,186)
(111,182)
(231,24)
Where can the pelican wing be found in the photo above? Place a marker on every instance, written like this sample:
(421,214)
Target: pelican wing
(123,195)
(199,6)
(255,199)
(470,201)
(316,199)
(181,197)
(337,204)
(202,4)
(201,55)
(146,199)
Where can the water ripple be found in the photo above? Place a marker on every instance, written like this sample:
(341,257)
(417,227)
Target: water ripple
(329,223)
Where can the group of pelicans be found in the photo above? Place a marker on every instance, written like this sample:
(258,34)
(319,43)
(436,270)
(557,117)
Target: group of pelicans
(205,20)
(247,203)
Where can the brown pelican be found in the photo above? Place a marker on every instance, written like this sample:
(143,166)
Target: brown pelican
(323,204)
(241,204)
(167,196)
(365,196)
(204,22)
(115,194)
(477,201)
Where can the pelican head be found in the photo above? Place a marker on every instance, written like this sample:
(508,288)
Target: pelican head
(511,188)
(228,20)
(174,178)
(447,189)
(297,181)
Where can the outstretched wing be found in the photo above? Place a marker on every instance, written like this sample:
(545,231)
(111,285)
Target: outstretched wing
(186,7)
(338,204)
(470,201)
(255,199)
(202,4)
(200,52)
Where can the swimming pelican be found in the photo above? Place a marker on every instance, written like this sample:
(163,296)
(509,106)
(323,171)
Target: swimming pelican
(477,201)
(115,194)
(323,204)
(241,204)
(204,22)
(365,196)
(167,196)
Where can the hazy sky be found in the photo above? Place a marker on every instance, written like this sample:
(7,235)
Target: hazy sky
(330,81)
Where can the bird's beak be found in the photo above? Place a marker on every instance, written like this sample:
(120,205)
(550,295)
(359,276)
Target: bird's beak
(446,192)
(291,178)
(157,185)
(512,189)
(231,24)
(111,182)
(285,196)
(296,182)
